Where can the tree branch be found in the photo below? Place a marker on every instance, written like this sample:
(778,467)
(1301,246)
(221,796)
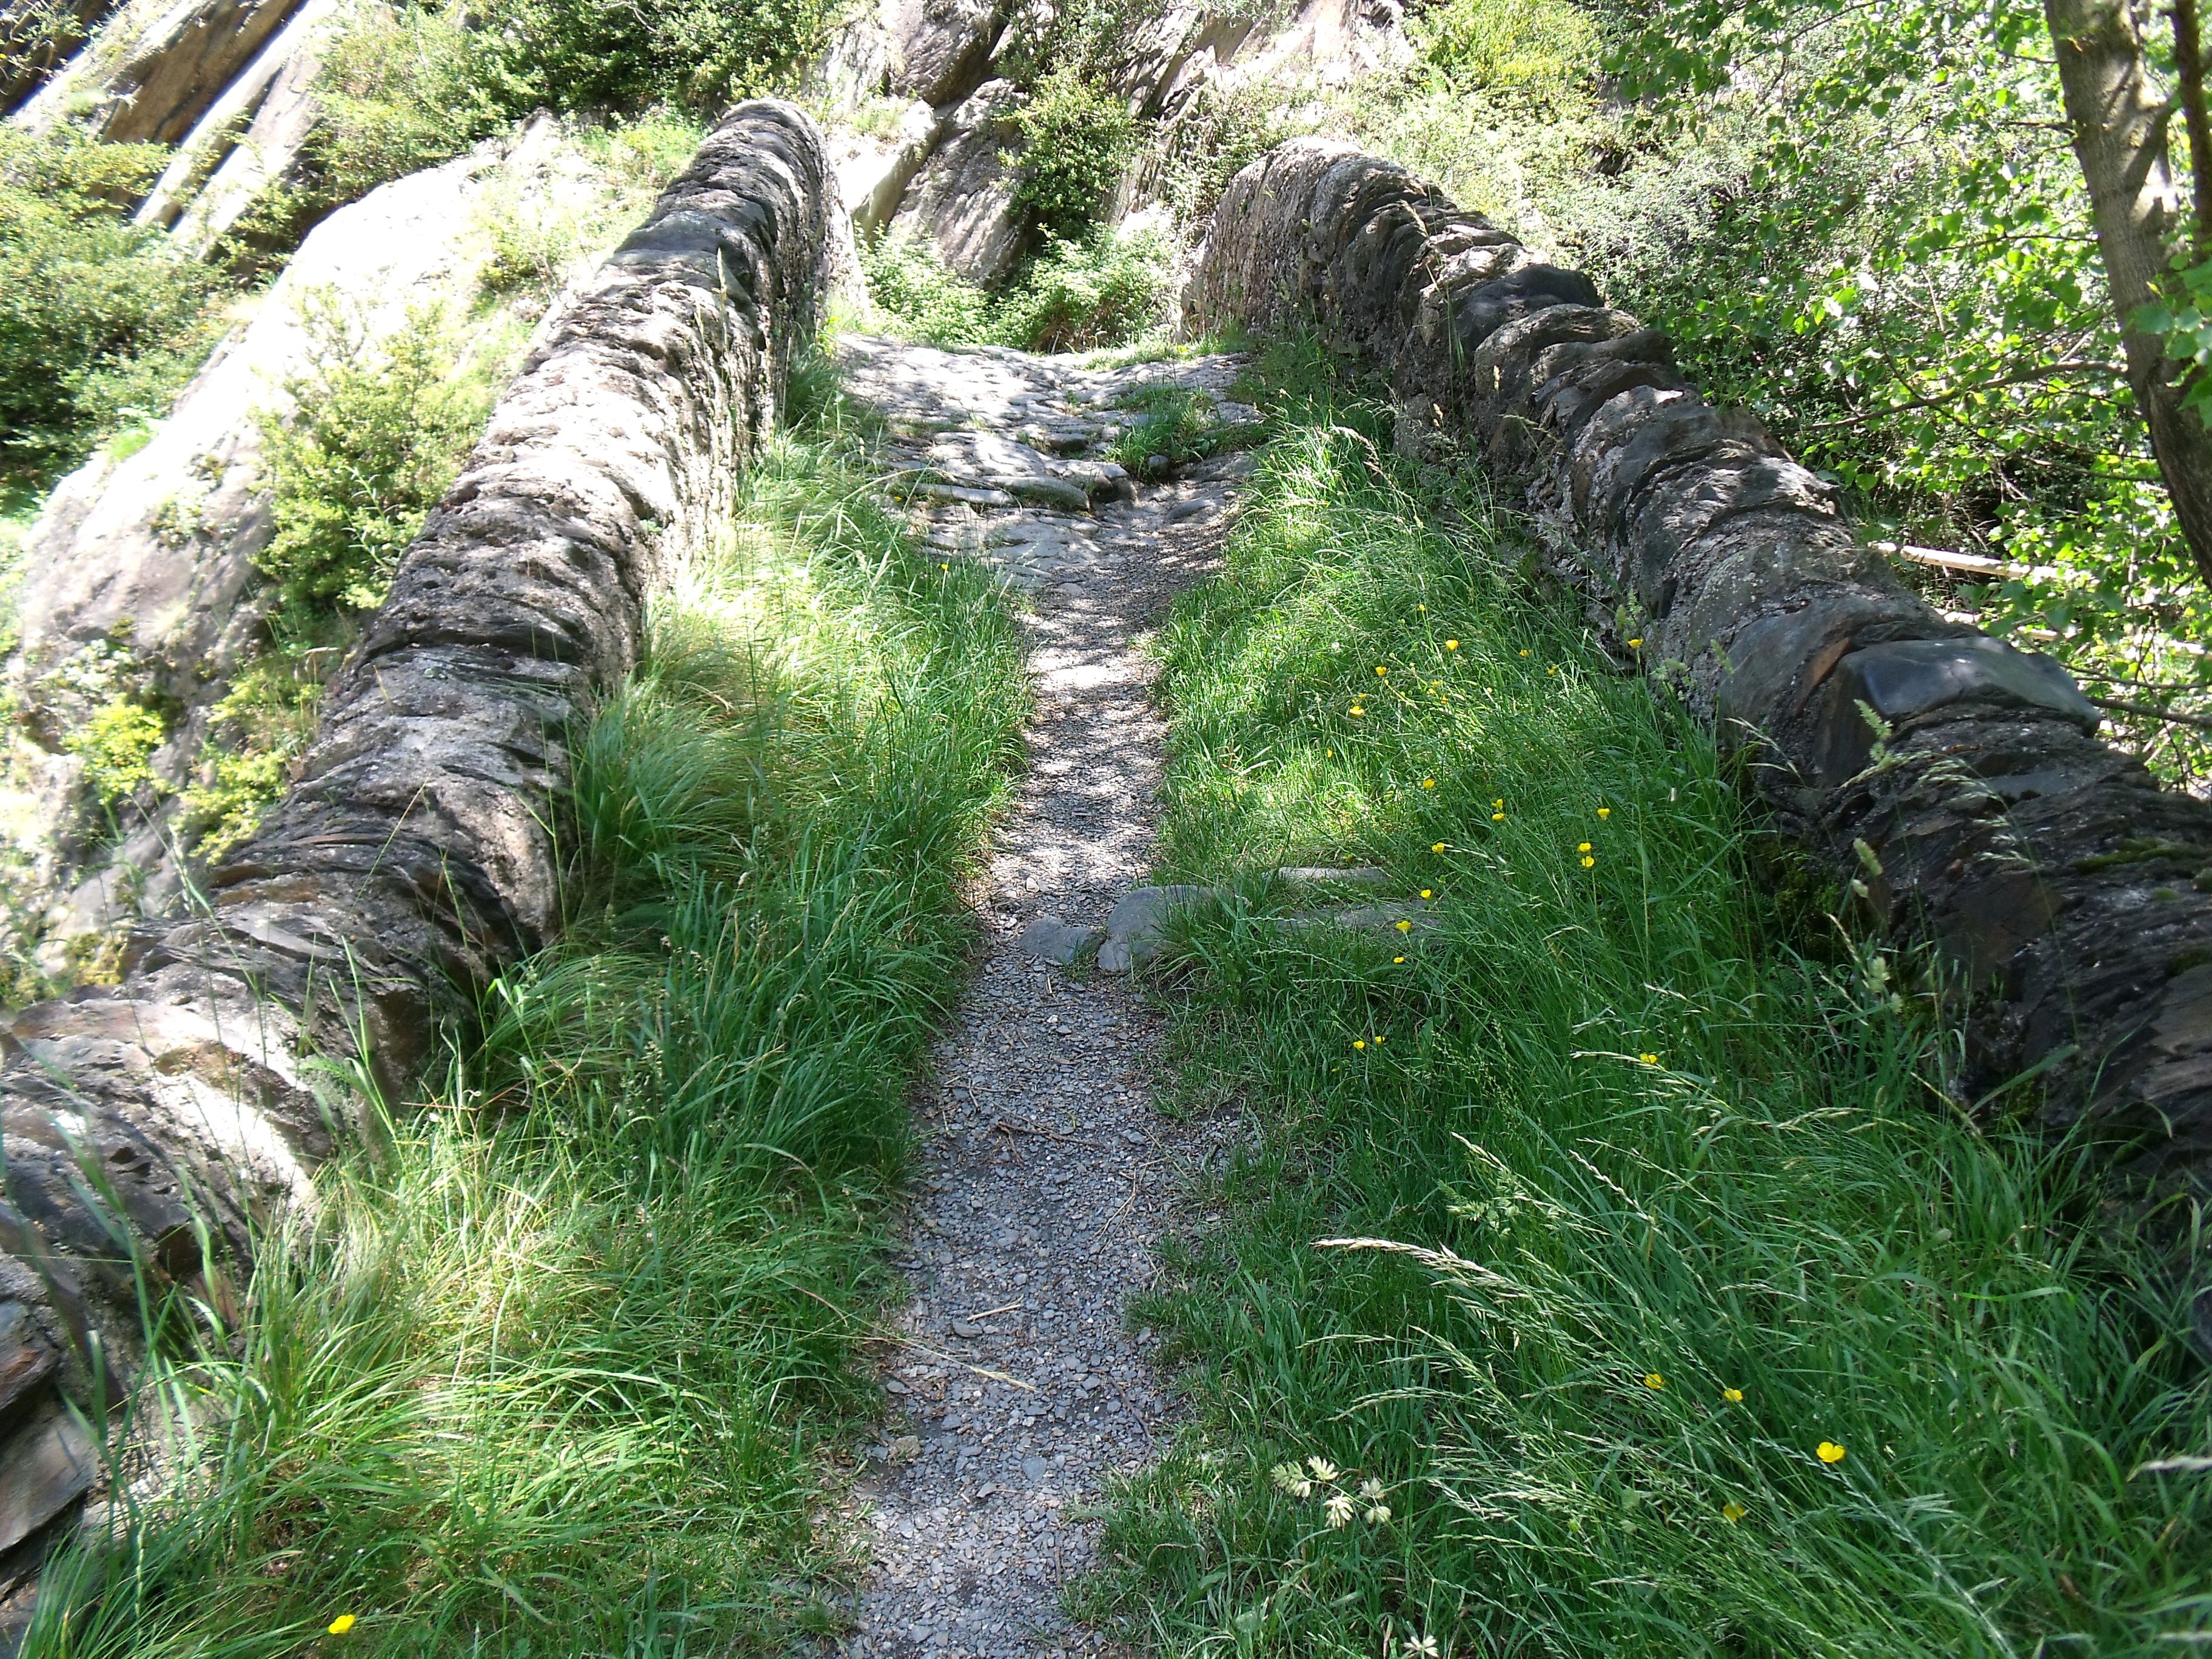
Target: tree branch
(2189,64)
(2025,376)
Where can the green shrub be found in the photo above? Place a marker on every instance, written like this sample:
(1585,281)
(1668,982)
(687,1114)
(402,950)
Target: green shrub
(1075,141)
(1543,47)
(375,438)
(1112,288)
(102,321)
(116,746)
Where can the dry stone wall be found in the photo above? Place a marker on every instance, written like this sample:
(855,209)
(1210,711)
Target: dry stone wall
(149,1124)
(1984,812)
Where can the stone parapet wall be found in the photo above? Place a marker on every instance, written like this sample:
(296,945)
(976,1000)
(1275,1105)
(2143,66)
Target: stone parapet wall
(2052,870)
(151,1125)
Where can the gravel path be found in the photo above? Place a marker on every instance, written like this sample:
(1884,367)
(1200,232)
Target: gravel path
(1016,1391)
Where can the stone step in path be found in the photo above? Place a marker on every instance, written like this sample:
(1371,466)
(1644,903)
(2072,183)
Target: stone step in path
(1017,1393)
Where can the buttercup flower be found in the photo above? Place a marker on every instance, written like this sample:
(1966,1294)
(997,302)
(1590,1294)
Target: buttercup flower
(1830,1452)
(1357,710)
(1588,863)
(1653,1380)
(1649,1060)
(1451,645)
(1605,811)
(1380,669)
(341,1624)
(1428,783)
(1581,846)
(1397,958)
(1731,1511)
(1632,644)
(1734,1397)
(1497,818)
(1405,927)
(1428,892)
(1438,847)
(1359,1042)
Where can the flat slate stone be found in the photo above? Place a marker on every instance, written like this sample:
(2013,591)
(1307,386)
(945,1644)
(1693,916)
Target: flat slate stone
(1315,875)
(1050,940)
(46,1466)
(1135,930)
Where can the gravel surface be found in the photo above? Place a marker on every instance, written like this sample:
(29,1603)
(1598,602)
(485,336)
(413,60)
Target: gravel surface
(1016,1391)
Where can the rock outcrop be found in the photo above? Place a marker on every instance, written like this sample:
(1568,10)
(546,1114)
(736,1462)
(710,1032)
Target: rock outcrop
(149,1125)
(36,37)
(155,69)
(963,196)
(1956,784)
(248,137)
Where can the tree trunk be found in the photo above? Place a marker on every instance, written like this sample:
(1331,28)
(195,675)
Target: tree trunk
(2120,120)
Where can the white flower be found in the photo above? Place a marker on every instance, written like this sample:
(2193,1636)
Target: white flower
(1423,1647)
(1370,1489)
(1377,1514)
(1290,1478)
(1323,1470)
(1339,1509)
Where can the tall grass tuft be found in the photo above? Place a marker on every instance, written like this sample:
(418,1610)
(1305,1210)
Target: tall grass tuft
(1582,1213)
(552,1373)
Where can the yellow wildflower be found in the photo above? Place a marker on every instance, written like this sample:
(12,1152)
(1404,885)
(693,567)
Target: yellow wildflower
(1438,847)
(341,1624)
(1405,927)
(1451,645)
(1605,811)
(1524,653)
(1359,1042)
(1731,1511)
(1649,1060)
(1397,958)
(1632,644)
(1428,783)
(1357,711)
(1588,863)
(1428,892)
(1734,1397)
(1830,1452)
(1653,1380)
(1497,818)
(1380,669)
(1581,846)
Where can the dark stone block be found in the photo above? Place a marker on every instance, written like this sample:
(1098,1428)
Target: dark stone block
(1907,678)
(45,1467)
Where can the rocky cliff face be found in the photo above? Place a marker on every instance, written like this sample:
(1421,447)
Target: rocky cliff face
(413,856)
(943,168)
(1956,784)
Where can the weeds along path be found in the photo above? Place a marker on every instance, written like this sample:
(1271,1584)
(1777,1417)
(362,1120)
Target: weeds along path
(1016,1391)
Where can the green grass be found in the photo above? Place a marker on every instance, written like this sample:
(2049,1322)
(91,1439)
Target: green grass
(554,1370)
(1525,1196)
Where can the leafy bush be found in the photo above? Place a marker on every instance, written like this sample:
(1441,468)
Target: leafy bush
(116,746)
(1076,139)
(1543,47)
(1113,288)
(375,438)
(102,321)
